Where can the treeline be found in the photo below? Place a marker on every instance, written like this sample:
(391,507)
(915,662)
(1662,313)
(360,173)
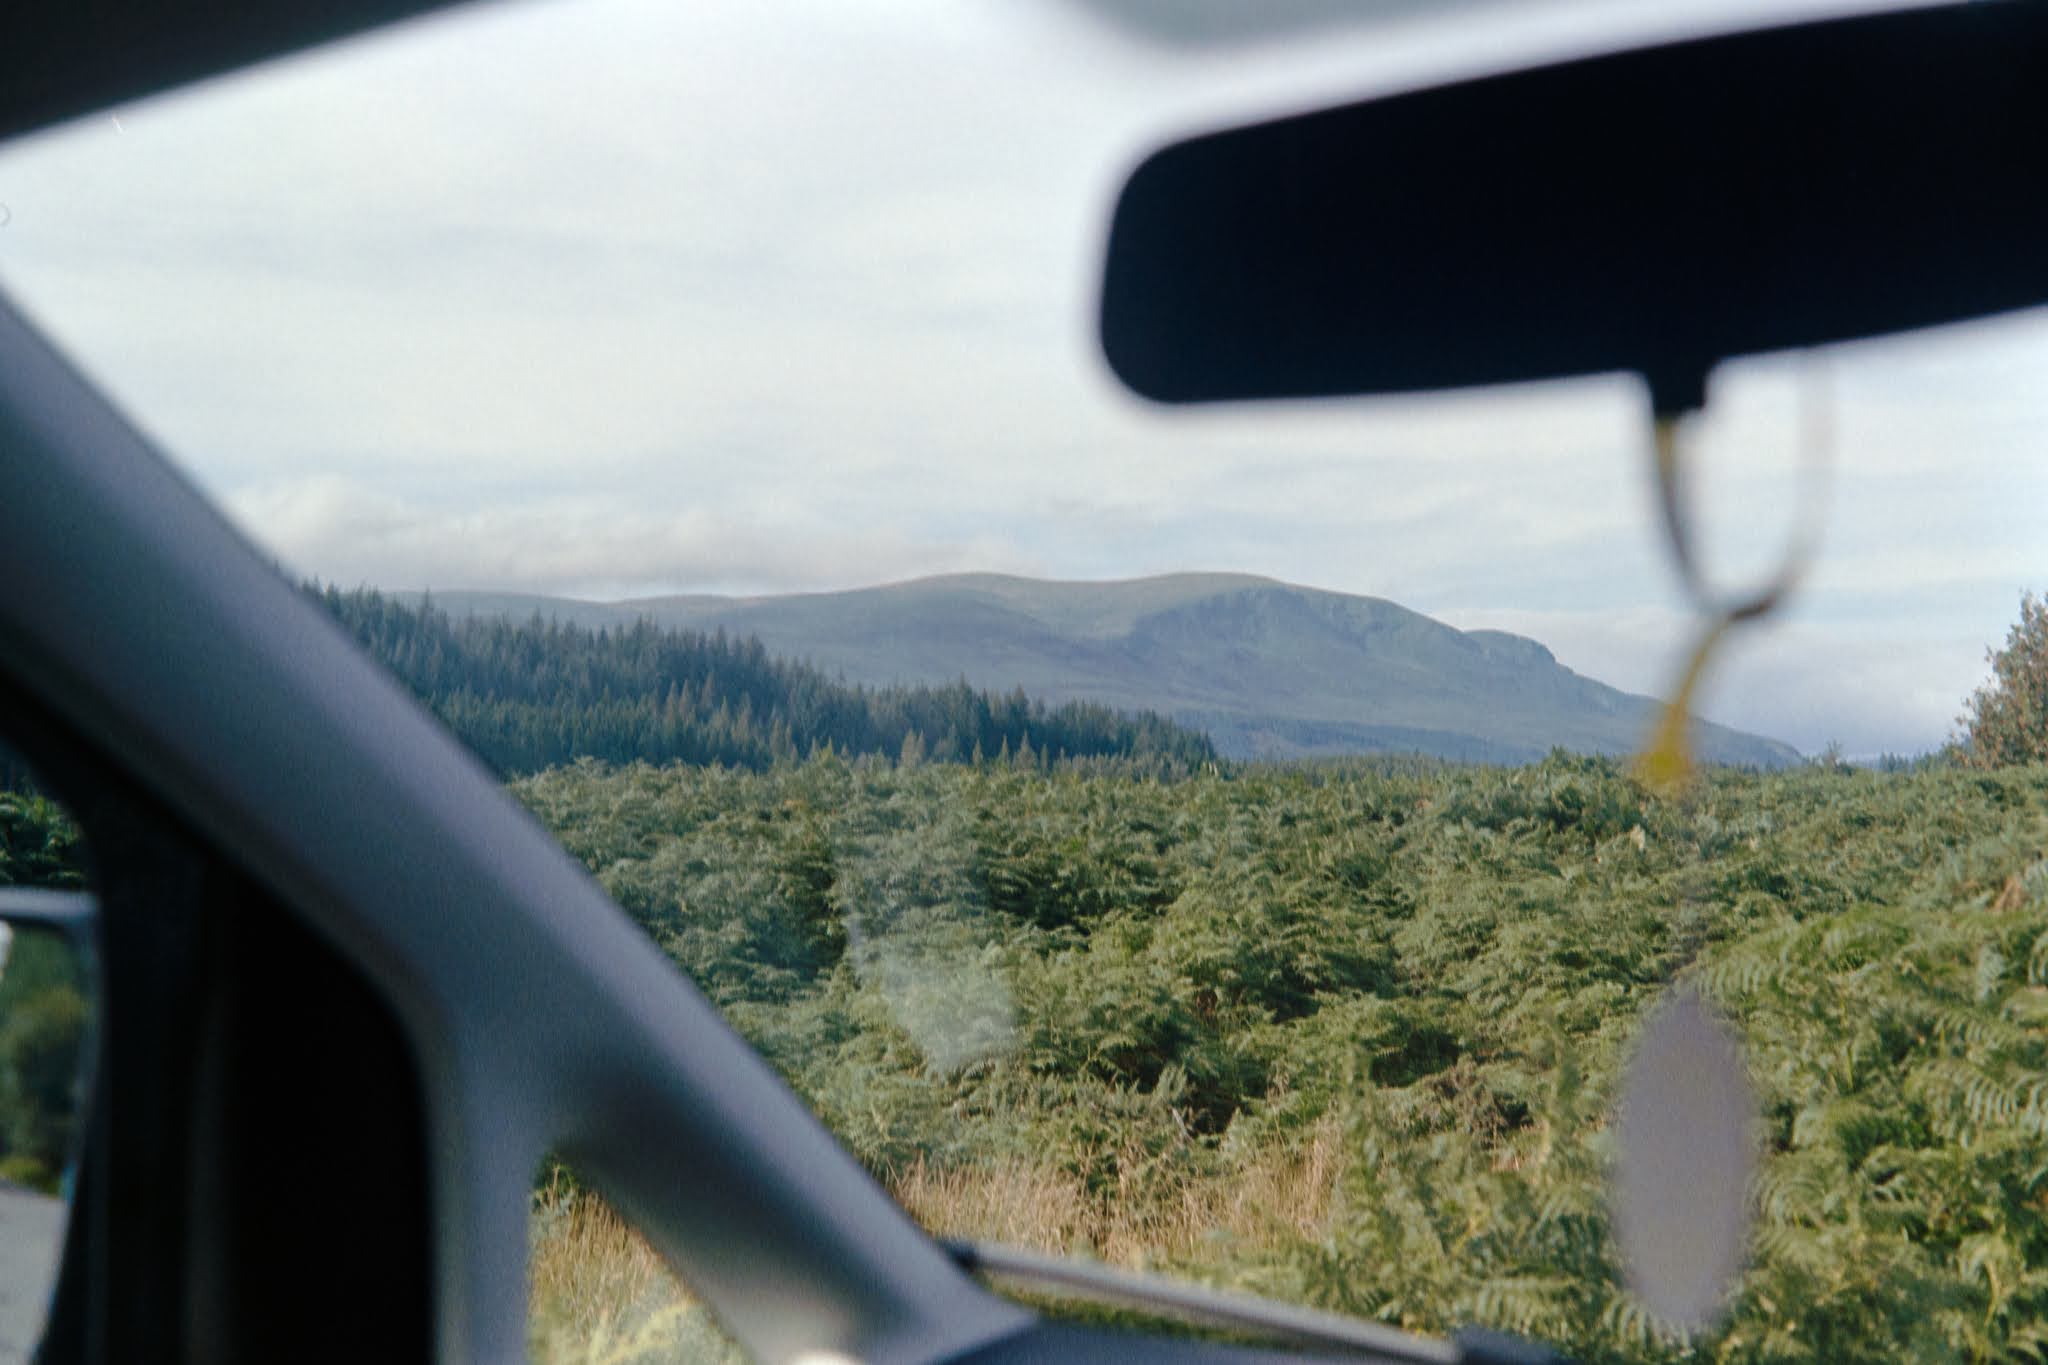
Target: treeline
(535,694)
(39,846)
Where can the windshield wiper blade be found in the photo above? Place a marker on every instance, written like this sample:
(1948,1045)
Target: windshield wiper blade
(1221,1308)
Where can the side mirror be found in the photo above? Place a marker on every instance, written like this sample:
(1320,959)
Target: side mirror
(48,1007)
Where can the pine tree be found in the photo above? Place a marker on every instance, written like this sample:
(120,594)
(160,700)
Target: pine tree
(2006,721)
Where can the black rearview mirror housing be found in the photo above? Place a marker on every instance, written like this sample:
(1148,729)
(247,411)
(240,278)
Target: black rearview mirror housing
(1653,211)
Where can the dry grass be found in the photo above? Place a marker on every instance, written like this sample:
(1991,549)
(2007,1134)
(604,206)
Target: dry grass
(1037,1206)
(602,1296)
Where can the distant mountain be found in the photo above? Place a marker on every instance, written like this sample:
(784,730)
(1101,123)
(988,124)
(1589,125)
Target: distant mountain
(1266,668)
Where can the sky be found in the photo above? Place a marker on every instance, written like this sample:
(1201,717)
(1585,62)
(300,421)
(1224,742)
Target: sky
(610,298)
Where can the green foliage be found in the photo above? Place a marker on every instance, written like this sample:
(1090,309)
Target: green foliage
(44,1016)
(2006,720)
(1160,988)
(21,1169)
(39,845)
(43,1008)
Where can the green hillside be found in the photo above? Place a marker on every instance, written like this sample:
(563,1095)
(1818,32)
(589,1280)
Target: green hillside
(1267,669)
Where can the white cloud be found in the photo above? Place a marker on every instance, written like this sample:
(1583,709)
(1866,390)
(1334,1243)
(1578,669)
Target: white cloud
(598,545)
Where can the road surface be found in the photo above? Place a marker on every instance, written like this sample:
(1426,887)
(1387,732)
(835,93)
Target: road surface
(31,1234)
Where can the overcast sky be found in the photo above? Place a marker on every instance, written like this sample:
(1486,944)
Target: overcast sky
(623,297)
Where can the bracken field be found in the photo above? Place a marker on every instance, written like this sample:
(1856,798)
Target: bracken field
(1350,1034)
(1347,1034)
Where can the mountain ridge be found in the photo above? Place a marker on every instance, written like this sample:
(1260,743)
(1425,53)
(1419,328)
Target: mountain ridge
(1269,669)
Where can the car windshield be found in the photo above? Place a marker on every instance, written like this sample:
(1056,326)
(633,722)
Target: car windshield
(1203,841)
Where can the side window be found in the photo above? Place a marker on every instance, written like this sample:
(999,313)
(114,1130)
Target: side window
(47,1009)
(600,1295)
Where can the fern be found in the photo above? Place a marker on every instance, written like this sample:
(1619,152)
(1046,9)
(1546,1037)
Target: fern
(1430,976)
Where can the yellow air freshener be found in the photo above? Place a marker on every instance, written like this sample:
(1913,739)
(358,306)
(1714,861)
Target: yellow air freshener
(1666,764)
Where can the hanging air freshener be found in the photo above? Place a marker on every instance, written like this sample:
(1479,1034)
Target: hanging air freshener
(1666,763)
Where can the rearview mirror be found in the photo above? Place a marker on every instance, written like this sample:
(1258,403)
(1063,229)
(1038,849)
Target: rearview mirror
(1653,211)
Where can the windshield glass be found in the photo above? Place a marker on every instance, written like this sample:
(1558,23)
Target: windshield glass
(1204,841)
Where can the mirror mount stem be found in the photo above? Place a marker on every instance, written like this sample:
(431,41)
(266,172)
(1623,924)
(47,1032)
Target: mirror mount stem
(1676,390)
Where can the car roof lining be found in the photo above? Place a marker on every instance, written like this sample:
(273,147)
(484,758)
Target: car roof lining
(67,58)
